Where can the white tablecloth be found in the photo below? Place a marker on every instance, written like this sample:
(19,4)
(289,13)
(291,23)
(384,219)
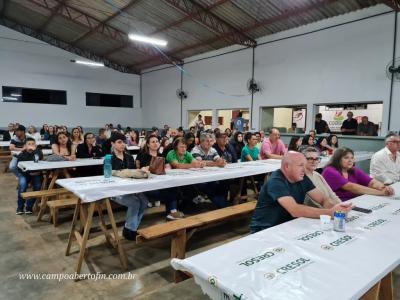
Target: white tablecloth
(96,187)
(51,165)
(7,143)
(297,260)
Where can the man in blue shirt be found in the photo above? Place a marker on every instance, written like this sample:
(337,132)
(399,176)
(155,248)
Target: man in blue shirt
(282,196)
(238,122)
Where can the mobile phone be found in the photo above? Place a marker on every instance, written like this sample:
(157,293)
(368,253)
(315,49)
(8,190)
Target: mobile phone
(363,210)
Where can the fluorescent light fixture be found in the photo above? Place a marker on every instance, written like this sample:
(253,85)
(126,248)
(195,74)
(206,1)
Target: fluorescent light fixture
(145,39)
(10,98)
(88,63)
(16,95)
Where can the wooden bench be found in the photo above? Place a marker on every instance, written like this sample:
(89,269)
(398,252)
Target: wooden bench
(182,230)
(55,205)
(44,195)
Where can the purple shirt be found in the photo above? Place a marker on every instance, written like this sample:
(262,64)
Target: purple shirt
(268,148)
(336,180)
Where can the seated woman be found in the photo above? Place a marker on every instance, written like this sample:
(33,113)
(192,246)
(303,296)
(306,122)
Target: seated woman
(313,160)
(347,181)
(322,146)
(295,143)
(63,147)
(133,138)
(136,203)
(76,137)
(308,141)
(89,149)
(180,158)
(143,160)
(250,151)
(333,142)
(237,143)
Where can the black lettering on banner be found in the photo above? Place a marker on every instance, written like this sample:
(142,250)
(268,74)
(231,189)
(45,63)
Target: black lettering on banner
(310,236)
(257,259)
(293,265)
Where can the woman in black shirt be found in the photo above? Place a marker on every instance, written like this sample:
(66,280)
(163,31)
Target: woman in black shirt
(143,160)
(88,149)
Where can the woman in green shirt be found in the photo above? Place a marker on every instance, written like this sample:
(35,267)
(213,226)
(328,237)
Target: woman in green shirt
(179,158)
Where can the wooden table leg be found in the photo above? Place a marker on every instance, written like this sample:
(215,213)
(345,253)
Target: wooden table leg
(74,221)
(43,202)
(386,288)
(82,240)
(121,252)
(373,293)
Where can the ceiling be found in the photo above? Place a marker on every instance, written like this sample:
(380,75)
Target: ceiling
(98,29)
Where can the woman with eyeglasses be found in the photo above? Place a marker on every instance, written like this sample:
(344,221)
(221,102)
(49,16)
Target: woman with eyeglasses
(348,181)
(320,183)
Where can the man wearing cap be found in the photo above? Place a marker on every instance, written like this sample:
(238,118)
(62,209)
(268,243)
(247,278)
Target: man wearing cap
(17,144)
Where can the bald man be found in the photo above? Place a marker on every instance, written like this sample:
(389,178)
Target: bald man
(273,147)
(282,196)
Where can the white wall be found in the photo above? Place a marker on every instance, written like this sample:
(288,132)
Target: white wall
(27,62)
(340,64)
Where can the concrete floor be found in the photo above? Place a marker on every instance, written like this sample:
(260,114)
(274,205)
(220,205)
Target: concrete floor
(28,246)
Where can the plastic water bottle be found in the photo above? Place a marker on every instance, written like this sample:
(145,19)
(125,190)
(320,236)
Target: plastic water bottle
(107,167)
(36,158)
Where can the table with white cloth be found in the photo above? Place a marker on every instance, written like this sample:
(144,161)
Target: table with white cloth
(299,260)
(52,170)
(7,143)
(93,191)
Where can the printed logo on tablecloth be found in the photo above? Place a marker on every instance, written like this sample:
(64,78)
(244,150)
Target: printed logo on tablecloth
(376,223)
(339,242)
(212,280)
(380,206)
(352,218)
(234,297)
(254,260)
(396,212)
(294,265)
(309,235)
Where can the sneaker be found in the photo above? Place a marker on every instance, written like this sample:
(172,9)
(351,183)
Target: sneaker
(196,200)
(149,204)
(129,234)
(157,204)
(20,211)
(175,215)
(28,211)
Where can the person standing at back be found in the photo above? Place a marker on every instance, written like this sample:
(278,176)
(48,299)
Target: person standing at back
(199,124)
(349,126)
(238,122)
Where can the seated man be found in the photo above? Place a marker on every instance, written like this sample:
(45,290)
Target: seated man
(17,144)
(24,178)
(282,196)
(366,127)
(272,146)
(136,203)
(385,164)
(216,191)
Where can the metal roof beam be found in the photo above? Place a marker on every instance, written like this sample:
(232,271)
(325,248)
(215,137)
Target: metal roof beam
(212,22)
(51,17)
(288,14)
(65,46)
(104,22)
(75,15)
(394,4)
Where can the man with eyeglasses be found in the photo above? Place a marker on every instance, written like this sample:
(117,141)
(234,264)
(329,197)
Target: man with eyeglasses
(385,164)
(282,196)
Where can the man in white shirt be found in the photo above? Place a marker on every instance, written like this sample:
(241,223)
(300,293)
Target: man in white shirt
(385,164)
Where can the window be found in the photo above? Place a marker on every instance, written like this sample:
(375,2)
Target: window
(335,114)
(109,100)
(30,95)
(226,117)
(290,119)
(206,115)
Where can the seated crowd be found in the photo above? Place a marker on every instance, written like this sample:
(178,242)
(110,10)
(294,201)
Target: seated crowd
(295,190)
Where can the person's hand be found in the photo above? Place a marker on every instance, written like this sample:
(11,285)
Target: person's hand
(221,162)
(146,169)
(388,191)
(344,207)
(196,163)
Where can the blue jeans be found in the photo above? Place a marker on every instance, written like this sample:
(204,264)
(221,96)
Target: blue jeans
(136,204)
(13,166)
(23,180)
(165,195)
(216,191)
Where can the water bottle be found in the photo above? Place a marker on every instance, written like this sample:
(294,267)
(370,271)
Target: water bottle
(339,221)
(107,167)
(36,158)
